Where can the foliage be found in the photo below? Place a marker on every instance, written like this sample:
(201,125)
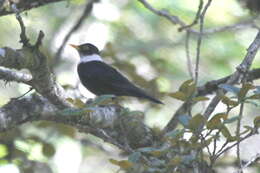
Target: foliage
(153,53)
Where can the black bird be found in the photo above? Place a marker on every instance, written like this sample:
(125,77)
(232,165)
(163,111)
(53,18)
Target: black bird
(100,78)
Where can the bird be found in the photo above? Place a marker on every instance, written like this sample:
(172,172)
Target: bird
(101,78)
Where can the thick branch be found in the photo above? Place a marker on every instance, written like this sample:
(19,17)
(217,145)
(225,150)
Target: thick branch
(11,75)
(106,122)
(42,80)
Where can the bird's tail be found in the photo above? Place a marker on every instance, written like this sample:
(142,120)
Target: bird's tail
(152,99)
(142,94)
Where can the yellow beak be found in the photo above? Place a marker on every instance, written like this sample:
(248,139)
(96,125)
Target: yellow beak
(74,46)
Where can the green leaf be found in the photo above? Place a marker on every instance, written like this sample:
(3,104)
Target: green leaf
(124,164)
(178,95)
(3,150)
(76,102)
(184,120)
(188,87)
(248,129)
(229,88)
(215,121)
(244,90)
(48,149)
(200,98)
(225,132)
(227,101)
(196,122)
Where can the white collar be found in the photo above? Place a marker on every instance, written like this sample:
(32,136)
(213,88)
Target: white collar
(89,58)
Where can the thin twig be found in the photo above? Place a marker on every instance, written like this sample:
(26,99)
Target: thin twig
(195,21)
(250,162)
(238,134)
(187,50)
(39,39)
(23,36)
(202,16)
(231,146)
(80,21)
(249,23)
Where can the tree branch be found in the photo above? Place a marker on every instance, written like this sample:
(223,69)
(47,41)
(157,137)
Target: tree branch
(208,88)
(249,23)
(11,75)
(241,71)
(106,122)
(24,5)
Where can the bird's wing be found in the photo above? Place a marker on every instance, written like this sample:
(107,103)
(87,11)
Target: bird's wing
(108,79)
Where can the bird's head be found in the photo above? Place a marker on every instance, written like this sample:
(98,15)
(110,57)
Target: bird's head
(86,49)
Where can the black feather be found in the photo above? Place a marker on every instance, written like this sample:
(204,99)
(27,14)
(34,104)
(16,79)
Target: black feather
(100,78)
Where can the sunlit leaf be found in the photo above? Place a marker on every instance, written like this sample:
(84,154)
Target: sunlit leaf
(76,102)
(3,150)
(79,103)
(70,100)
(188,87)
(200,98)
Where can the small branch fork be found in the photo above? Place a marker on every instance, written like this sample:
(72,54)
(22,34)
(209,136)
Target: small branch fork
(249,23)
(23,36)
